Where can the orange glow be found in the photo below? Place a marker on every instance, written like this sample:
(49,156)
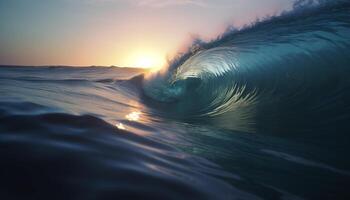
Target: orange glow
(146,59)
(124,33)
(133,116)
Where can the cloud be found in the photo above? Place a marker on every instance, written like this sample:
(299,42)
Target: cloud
(165,3)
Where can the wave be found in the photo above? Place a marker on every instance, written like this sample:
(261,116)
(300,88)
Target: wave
(286,73)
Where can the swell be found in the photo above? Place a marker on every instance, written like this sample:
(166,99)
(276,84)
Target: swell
(285,74)
(51,155)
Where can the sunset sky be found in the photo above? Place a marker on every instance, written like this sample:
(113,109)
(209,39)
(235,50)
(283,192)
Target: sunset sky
(128,33)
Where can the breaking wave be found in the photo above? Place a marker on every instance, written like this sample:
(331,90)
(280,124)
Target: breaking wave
(283,74)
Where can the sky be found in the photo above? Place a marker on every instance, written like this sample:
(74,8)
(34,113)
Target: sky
(125,33)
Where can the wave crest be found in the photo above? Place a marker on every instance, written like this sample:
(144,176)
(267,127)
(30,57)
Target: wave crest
(266,76)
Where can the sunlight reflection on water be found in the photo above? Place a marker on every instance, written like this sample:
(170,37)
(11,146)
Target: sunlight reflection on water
(133,116)
(132,122)
(120,126)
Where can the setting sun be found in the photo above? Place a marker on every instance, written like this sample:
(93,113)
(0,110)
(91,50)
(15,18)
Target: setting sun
(146,59)
(145,62)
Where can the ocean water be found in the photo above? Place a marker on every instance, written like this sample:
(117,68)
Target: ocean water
(258,113)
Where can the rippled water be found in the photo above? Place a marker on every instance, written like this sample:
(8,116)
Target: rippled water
(87,134)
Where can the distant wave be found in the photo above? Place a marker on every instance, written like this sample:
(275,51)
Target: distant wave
(282,74)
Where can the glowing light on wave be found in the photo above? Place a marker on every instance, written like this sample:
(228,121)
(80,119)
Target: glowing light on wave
(120,126)
(133,116)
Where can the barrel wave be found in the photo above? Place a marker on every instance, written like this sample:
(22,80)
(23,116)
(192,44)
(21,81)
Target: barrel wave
(284,74)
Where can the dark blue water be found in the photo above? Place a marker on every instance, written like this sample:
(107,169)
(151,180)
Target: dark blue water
(259,113)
